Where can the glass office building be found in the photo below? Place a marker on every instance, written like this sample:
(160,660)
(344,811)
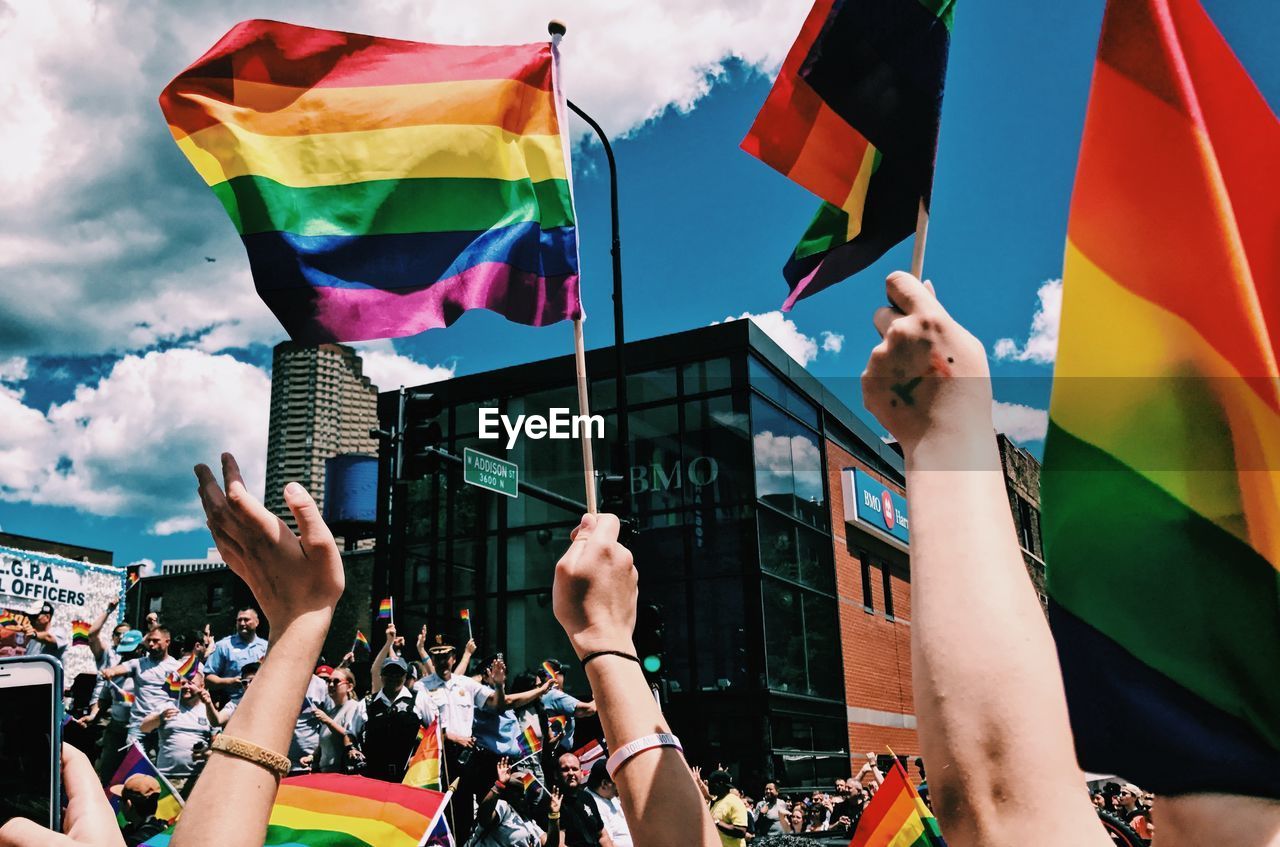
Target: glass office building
(727,467)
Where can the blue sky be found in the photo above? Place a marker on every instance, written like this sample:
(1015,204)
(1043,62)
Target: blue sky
(126,356)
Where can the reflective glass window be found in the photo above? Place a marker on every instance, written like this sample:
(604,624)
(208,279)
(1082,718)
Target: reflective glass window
(716,451)
(711,375)
(788,463)
(792,551)
(720,659)
(657,471)
(532,557)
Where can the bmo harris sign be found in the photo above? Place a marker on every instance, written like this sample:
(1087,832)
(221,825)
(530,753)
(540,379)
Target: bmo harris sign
(878,506)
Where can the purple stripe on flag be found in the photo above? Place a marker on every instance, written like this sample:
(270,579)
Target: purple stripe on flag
(355,314)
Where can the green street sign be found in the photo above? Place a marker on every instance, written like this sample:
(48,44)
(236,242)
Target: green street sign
(484,471)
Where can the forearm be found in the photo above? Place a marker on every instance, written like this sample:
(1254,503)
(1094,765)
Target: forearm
(988,705)
(215,717)
(524,698)
(232,783)
(463,663)
(213,679)
(152,722)
(657,789)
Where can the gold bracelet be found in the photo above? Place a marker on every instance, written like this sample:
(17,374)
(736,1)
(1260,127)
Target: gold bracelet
(250,752)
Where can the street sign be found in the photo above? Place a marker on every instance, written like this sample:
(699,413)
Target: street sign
(484,471)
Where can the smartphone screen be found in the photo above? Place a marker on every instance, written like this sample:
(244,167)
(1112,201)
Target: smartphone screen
(26,741)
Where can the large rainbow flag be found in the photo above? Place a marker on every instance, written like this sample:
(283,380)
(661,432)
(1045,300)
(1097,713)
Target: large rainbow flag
(384,187)
(897,817)
(1161,490)
(335,810)
(135,761)
(853,117)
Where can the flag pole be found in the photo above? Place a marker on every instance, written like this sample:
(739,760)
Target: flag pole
(557,31)
(917,247)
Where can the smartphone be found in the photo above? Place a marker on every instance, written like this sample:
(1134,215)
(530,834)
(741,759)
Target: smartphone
(31,739)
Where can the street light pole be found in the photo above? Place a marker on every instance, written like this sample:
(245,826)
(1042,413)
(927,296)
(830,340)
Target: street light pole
(621,459)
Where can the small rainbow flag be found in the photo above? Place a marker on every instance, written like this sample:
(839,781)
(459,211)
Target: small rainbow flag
(80,632)
(135,761)
(897,817)
(465,614)
(337,809)
(556,725)
(529,741)
(360,641)
(126,697)
(384,609)
(133,577)
(188,667)
(549,670)
(173,683)
(9,620)
(384,187)
(527,779)
(424,765)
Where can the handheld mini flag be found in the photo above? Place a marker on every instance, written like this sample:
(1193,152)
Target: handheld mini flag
(549,670)
(897,817)
(173,684)
(465,614)
(169,805)
(188,667)
(384,187)
(853,117)
(384,609)
(1164,425)
(80,632)
(126,697)
(360,641)
(528,741)
(8,620)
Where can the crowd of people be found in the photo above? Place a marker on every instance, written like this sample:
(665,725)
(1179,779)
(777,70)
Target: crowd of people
(992,716)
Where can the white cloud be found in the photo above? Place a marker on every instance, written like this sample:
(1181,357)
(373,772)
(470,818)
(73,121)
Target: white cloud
(1042,344)
(786,462)
(784,332)
(146,567)
(106,225)
(389,370)
(13,370)
(1021,423)
(832,342)
(126,445)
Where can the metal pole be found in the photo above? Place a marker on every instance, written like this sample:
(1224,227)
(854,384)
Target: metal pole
(621,457)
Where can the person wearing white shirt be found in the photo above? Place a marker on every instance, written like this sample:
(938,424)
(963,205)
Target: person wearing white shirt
(604,791)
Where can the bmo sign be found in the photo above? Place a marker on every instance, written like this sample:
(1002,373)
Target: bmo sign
(869,502)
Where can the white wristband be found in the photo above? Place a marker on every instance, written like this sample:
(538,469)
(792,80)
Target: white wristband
(647,742)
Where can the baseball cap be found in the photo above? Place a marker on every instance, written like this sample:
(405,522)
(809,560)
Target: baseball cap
(46,609)
(130,641)
(395,662)
(140,784)
(323,670)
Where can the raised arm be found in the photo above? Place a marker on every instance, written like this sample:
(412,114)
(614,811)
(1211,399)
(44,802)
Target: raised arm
(375,671)
(297,580)
(95,628)
(594,599)
(524,698)
(988,691)
(465,661)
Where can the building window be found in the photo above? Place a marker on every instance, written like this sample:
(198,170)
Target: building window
(788,463)
(887,581)
(215,598)
(868,604)
(799,637)
(155,602)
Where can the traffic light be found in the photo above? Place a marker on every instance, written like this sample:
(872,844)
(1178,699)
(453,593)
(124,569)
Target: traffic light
(422,434)
(649,637)
(615,498)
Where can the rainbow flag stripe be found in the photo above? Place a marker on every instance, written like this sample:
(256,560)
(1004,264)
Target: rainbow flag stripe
(80,632)
(135,761)
(897,817)
(424,765)
(384,609)
(1161,494)
(187,668)
(329,810)
(361,640)
(384,187)
(465,614)
(173,683)
(549,670)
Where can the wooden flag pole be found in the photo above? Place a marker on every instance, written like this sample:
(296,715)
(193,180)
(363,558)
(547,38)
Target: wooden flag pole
(917,248)
(588,461)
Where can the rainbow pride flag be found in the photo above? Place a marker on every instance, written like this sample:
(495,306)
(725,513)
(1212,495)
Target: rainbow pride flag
(187,668)
(465,614)
(424,765)
(853,117)
(384,187)
(8,620)
(529,741)
(897,817)
(384,609)
(336,810)
(360,641)
(1160,484)
(135,761)
(80,632)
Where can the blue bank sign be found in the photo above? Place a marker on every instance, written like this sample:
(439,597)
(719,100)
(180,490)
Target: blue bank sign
(877,506)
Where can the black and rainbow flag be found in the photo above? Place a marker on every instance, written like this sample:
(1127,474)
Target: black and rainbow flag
(853,117)
(1160,483)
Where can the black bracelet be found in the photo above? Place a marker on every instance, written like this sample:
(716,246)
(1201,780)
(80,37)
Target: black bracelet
(599,653)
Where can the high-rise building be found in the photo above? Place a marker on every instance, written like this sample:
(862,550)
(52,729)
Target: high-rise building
(322,405)
(212,561)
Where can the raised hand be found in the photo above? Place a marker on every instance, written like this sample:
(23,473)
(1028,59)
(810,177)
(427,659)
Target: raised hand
(289,575)
(929,376)
(422,641)
(498,672)
(504,770)
(554,800)
(594,594)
